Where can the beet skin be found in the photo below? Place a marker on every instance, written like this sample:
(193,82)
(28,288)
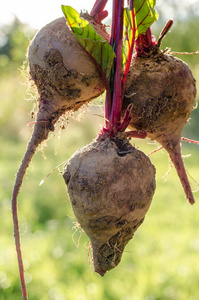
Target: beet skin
(61,69)
(110,184)
(162,92)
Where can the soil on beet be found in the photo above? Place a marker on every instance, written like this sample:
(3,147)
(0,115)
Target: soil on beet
(61,69)
(57,80)
(162,90)
(110,185)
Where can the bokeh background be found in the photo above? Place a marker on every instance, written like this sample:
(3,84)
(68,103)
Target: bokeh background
(162,261)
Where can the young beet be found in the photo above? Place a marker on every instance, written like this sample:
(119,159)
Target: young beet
(66,78)
(111,185)
(162,90)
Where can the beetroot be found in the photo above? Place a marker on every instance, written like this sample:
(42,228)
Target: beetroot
(162,91)
(66,78)
(111,185)
(61,69)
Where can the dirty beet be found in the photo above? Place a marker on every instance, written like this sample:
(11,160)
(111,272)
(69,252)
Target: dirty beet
(65,78)
(61,69)
(162,91)
(110,184)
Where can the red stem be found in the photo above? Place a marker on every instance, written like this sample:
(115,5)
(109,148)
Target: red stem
(127,67)
(113,105)
(101,16)
(108,101)
(98,7)
(144,42)
(114,22)
(117,85)
(164,31)
(149,36)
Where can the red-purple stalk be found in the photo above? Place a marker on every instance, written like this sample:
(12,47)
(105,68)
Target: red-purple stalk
(98,11)
(108,101)
(144,42)
(127,67)
(113,106)
(116,108)
(116,87)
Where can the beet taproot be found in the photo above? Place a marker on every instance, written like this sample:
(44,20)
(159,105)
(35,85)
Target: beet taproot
(162,92)
(65,78)
(110,184)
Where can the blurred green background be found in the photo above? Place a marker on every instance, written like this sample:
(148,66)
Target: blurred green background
(161,262)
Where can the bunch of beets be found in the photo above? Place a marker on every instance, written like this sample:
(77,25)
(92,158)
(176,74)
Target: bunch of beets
(110,183)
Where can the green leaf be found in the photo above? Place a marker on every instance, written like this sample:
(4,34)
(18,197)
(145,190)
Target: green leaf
(136,22)
(145,15)
(129,35)
(96,47)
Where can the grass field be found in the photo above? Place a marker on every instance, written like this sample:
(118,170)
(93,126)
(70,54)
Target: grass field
(161,262)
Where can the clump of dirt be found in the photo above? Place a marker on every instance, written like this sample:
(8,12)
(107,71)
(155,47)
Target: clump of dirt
(57,81)
(110,184)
